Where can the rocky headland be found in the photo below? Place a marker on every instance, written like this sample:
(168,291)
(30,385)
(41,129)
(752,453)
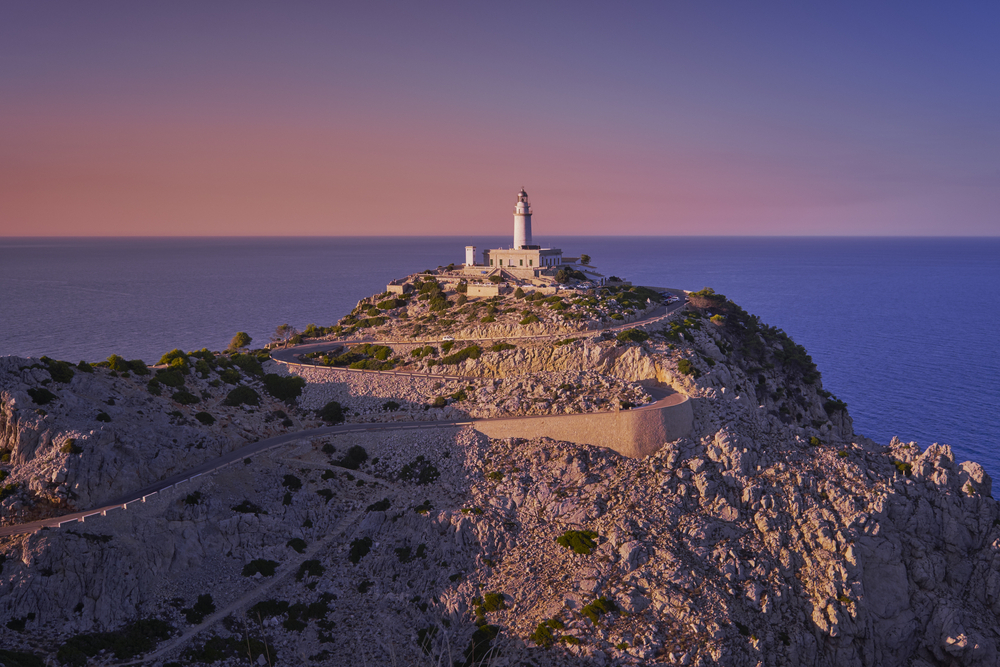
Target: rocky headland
(771,535)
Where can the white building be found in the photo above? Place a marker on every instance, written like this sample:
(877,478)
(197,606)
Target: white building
(523,259)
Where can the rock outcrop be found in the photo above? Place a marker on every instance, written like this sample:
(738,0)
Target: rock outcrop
(774,535)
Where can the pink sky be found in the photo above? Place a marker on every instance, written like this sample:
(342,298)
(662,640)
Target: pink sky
(186,120)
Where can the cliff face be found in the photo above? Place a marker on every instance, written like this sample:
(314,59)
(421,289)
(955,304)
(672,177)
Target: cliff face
(773,535)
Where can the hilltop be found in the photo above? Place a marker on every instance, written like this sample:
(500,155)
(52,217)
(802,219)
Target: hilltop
(770,534)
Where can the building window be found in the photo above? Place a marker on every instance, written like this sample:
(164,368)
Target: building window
(531,262)
(491,262)
(521,262)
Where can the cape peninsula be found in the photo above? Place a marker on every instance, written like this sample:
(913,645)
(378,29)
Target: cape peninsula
(585,472)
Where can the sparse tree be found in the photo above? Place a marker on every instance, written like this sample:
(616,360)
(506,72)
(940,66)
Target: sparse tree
(240,340)
(284,334)
(585,259)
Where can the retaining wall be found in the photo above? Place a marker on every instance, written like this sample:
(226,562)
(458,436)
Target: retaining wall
(635,433)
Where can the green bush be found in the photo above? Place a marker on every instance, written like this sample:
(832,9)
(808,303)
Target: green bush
(687,368)
(519,293)
(332,413)
(633,336)
(500,347)
(425,351)
(199,610)
(125,643)
(103,417)
(69,447)
(175,357)
(291,482)
(814,441)
(230,376)
(359,549)
(903,467)
(530,319)
(193,498)
(543,635)
(439,402)
(205,418)
(579,541)
(242,395)
(447,345)
(470,352)
(390,406)
(309,568)
(59,371)
(493,602)
(597,608)
(185,397)
(247,507)
(353,459)
(240,340)
(154,387)
(266,567)
(7,490)
(833,405)
(41,395)
(488,319)
(707,298)
(117,364)
(297,543)
(284,388)
(20,659)
(170,378)
(249,364)
(84,367)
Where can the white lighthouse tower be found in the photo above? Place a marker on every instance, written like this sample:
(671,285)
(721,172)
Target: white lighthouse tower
(522,221)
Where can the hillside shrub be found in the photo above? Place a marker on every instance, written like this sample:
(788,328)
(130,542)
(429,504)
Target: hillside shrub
(59,371)
(41,395)
(84,367)
(447,345)
(359,549)
(205,418)
(230,376)
(266,567)
(69,446)
(353,459)
(833,405)
(240,340)
(579,541)
(242,395)
(154,388)
(687,368)
(297,543)
(633,336)
(175,357)
(125,643)
(470,352)
(103,417)
(707,298)
(439,402)
(501,346)
(248,363)
(170,378)
(332,413)
(598,608)
(247,507)
(199,610)
(530,319)
(284,388)
(519,293)
(185,397)
(309,568)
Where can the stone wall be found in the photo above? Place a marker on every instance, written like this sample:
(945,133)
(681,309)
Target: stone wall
(635,433)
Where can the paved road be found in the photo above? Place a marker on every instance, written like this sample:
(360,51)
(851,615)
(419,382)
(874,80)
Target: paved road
(289,356)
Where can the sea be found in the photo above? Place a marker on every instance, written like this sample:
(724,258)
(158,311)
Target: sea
(905,330)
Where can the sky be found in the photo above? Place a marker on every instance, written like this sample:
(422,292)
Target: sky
(665,118)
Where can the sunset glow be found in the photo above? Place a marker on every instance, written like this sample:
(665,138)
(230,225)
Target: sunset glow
(699,119)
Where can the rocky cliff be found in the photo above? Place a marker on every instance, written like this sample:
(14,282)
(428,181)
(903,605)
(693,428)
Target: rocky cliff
(773,535)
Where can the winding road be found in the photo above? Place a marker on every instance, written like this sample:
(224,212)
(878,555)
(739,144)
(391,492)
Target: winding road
(290,356)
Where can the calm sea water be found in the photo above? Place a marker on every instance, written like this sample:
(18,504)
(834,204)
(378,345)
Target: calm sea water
(904,330)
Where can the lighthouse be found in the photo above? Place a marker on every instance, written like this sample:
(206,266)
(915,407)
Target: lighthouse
(522,221)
